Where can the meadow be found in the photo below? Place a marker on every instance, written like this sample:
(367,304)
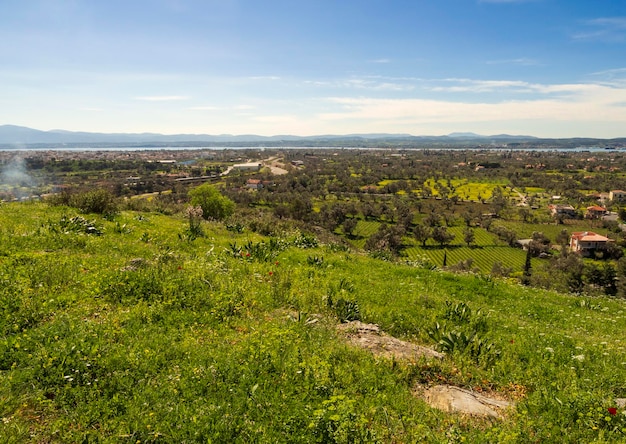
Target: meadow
(129,329)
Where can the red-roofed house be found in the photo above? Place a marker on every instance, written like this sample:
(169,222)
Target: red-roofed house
(255,184)
(258,184)
(586,242)
(595,212)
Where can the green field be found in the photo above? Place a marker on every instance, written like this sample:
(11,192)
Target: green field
(126,329)
(483,258)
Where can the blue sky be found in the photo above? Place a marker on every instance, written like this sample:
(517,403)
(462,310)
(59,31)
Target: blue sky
(548,68)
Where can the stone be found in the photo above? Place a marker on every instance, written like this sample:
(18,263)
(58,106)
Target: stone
(453,399)
(370,337)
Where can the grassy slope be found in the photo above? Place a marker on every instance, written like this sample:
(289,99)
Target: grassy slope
(190,343)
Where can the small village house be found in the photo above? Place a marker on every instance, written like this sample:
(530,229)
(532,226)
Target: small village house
(617,196)
(558,210)
(595,212)
(258,184)
(587,242)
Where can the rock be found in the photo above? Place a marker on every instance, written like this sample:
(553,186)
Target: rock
(620,402)
(370,337)
(454,399)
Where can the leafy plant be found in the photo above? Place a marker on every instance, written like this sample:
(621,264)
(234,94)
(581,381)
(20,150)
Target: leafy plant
(316,261)
(76,224)
(303,240)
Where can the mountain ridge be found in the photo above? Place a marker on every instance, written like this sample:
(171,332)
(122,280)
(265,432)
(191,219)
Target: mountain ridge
(14,136)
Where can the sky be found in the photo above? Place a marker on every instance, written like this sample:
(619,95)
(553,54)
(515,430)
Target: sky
(546,68)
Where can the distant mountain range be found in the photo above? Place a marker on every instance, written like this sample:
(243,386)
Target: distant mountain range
(12,136)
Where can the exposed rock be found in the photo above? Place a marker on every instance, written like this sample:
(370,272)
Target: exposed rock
(135,264)
(454,399)
(370,337)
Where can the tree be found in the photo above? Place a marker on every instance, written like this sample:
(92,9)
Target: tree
(562,239)
(527,269)
(422,233)
(469,236)
(442,236)
(432,220)
(213,204)
(349,225)
(385,239)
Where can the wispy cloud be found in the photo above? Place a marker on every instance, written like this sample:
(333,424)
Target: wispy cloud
(614,77)
(265,78)
(161,98)
(454,85)
(382,61)
(522,61)
(372,83)
(608,29)
(203,108)
(587,107)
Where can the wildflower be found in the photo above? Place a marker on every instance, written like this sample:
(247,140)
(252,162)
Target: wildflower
(271,273)
(247,254)
(276,263)
(512,341)
(612,411)
(579,357)
(549,349)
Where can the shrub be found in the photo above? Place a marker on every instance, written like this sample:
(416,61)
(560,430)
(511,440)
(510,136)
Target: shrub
(213,204)
(97,201)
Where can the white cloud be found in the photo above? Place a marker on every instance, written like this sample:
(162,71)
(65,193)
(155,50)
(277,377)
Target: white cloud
(584,107)
(203,108)
(161,98)
(522,61)
(504,86)
(608,29)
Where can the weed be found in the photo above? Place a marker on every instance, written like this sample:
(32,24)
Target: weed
(303,240)
(315,261)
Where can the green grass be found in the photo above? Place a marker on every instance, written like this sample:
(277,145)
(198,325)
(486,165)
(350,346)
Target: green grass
(139,334)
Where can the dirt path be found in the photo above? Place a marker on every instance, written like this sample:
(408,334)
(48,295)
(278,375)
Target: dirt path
(275,166)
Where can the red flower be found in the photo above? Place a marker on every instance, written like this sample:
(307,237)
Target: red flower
(180,268)
(276,263)
(271,273)
(247,254)
(512,341)
(612,411)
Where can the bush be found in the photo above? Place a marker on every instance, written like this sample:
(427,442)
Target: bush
(97,201)
(213,204)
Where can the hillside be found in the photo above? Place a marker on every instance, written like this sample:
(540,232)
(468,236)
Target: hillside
(130,329)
